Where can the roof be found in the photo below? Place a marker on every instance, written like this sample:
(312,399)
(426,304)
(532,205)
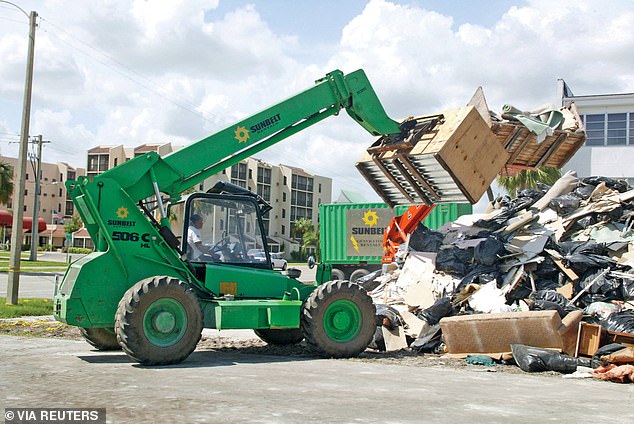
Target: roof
(99,149)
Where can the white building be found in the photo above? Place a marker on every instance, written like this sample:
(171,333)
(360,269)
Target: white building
(609,123)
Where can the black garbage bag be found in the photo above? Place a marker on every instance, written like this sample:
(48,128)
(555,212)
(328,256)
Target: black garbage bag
(368,282)
(547,270)
(585,222)
(628,289)
(393,317)
(479,274)
(584,191)
(487,251)
(440,309)
(425,240)
(583,256)
(620,186)
(583,247)
(521,202)
(622,322)
(604,288)
(454,261)
(534,359)
(565,204)
(611,216)
(545,305)
(497,221)
(554,297)
(534,194)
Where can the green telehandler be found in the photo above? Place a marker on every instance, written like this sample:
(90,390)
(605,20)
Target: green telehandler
(146,290)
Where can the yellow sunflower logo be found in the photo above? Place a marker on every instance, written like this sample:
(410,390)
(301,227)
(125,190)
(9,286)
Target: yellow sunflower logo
(122,212)
(370,218)
(241,134)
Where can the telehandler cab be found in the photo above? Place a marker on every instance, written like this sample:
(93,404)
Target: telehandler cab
(144,290)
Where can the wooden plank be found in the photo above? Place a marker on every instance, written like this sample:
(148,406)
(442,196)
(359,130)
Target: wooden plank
(551,150)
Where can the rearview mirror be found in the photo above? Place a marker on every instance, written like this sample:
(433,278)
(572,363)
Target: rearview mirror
(311,262)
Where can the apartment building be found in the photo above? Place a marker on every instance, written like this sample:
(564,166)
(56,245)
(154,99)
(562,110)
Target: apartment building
(54,202)
(292,192)
(102,158)
(609,123)
(55,205)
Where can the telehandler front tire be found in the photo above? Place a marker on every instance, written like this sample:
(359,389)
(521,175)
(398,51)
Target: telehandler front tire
(101,338)
(280,337)
(338,319)
(159,321)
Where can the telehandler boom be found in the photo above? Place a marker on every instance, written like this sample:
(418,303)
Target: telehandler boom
(146,290)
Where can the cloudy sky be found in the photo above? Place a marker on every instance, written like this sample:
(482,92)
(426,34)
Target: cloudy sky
(147,71)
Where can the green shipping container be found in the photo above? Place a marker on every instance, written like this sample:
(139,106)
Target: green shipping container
(351,234)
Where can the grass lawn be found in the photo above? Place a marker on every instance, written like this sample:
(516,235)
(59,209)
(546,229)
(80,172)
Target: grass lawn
(28,266)
(26,307)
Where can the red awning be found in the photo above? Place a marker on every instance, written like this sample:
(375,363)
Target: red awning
(6,220)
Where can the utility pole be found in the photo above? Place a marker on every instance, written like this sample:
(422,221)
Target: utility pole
(13,281)
(36,164)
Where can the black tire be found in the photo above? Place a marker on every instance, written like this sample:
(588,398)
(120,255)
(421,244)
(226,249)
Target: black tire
(338,319)
(101,338)
(358,273)
(337,274)
(280,337)
(159,321)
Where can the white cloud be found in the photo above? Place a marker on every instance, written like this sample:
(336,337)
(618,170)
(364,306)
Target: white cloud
(147,71)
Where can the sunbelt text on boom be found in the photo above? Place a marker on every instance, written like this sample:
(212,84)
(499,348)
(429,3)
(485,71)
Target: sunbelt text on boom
(261,126)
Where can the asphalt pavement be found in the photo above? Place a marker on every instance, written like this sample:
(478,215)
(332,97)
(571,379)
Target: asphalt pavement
(226,386)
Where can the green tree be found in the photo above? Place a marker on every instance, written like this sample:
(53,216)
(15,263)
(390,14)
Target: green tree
(6,182)
(73,224)
(528,178)
(304,230)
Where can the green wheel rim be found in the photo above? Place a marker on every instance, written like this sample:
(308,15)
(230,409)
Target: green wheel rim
(165,322)
(342,321)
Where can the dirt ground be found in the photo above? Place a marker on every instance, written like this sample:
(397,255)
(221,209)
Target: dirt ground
(48,328)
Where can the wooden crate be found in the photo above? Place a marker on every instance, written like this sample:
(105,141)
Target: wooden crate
(454,162)
(589,339)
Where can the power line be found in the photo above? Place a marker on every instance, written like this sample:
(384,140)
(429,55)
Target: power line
(124,70)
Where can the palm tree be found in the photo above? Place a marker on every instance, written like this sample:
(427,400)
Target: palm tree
(6,182)
(528,178)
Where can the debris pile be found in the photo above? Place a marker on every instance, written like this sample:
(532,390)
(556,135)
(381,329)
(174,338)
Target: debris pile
(567,249)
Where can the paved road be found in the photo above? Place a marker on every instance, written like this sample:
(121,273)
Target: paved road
(229,387)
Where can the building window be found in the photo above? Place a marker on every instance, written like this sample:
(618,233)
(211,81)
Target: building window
(283,229)
(239,174)
(283,197)
(631,127)
(285,180)
(27,176)
(617,129)
(60,194)
(70,175)
(26,192)
(595,130)
(320,187)
(115,161)
(283,213)
(70,209)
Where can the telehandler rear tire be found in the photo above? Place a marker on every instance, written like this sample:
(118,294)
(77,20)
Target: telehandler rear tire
(159,321)
(101,338)
(338,319)
(280,337)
